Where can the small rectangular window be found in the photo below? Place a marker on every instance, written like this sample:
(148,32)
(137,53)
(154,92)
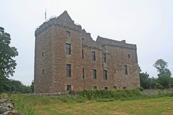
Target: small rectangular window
(114,87)
(94,87)
(42,54)
(94,74)
(128,55)
(105,87)
(67,33)
(43,71)
(105,75)
(125,69)
(68,88)
(68,48)
(82,54)
(124,87)
(93,56)
(83,73)
(68,70)
(104,57)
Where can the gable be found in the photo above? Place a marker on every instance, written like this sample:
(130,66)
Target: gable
(65,17)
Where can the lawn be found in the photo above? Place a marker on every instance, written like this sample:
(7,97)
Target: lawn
(155,106)
(96,102)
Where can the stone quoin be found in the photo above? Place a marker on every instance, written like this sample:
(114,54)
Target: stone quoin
(67,58)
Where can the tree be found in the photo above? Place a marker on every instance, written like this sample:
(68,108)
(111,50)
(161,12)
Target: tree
(153,82)
(159,86)
(161,67)
(32,86)
(165,80)
(164,76)
(144,80)
(7,63)
(171,83)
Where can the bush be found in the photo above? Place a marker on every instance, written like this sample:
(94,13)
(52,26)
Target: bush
(159,86)
(140,88)
(109,94)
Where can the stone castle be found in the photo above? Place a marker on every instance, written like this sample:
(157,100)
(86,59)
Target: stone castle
(67,58)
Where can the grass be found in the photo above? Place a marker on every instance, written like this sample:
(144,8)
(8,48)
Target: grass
(157,106)
(135,105)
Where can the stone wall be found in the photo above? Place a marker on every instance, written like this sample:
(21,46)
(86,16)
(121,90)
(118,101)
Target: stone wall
(154,92)
(7,106)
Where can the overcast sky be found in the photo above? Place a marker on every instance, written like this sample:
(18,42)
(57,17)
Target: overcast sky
(147,23)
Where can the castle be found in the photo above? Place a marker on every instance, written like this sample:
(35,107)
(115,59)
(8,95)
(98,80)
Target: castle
(67,58)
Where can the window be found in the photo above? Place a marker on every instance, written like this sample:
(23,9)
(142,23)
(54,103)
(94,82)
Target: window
(104,57)
(94,87)
(125,69)
(68,70)
(93,56)
(105,87)
(114,87)
(82,54)
(105,75)
(68,48)
(42,54)
(68,88)
(128,55)
(83,73)
(43,71)
(124,87)
(67,33)
(94,74)
(115,71)
(82,38)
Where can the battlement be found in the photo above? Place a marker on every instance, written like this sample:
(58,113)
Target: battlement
(114,43)
(63,20)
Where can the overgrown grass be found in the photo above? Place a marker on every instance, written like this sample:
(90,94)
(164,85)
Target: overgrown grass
(156,106)
(34,105)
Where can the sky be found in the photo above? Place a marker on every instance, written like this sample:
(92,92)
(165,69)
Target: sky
(146,23)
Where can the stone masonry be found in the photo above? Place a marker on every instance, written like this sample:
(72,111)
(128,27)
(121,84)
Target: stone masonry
(67,58)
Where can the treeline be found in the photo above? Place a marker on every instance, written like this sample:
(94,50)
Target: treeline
(162,81)
(14,86)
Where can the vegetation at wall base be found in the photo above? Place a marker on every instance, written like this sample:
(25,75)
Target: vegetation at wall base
(109,94)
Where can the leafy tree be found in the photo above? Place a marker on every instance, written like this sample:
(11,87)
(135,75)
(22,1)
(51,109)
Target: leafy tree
(7,63)
(159,86)
(164,76)
(4,84)
(144,80)
(153,82)
(32,86)
(165,80)
(171,84)
(161,67)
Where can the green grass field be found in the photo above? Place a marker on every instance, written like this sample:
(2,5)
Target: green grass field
(32,105)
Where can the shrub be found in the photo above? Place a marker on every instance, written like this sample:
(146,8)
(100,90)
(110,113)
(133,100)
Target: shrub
(159,86)
(109,94)
(140,88)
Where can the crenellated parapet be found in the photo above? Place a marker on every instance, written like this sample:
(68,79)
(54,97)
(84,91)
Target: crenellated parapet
(114,43)
(63,21)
